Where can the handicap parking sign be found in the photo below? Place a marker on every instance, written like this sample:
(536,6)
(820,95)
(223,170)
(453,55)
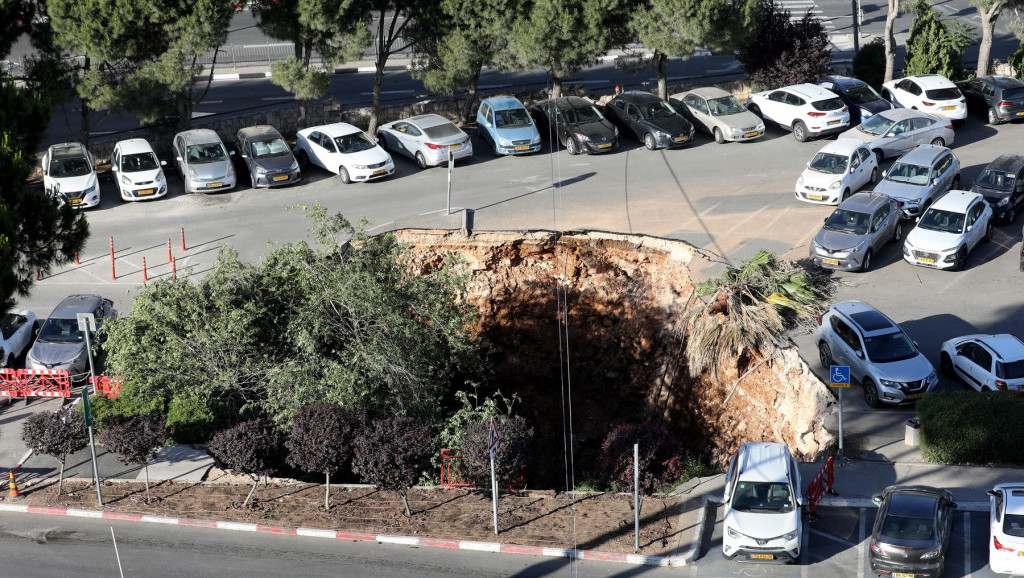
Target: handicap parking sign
(839,376)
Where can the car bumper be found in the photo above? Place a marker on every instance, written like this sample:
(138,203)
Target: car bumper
(518,149)
(887,568)
(372,174)
(278,179)
(673,141)
(1002,562)
(441,156)
(958,112)
(597,148)
(846,263)
(73,369)
(144,194)
(924,258)
(819,197)
(741,136)
(85,202)
(1006,113)
(225,184)
(828,130)
(779,553)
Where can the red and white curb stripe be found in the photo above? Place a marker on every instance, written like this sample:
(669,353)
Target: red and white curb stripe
(636,559)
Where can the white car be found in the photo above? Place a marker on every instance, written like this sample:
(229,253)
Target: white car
(806,109)
(17,328)
(928,92)
(136,170)
(950,228)
(762,504)
(343,150)
(839,169)
(69,173)
(985,362)
(427,139)
(1006,529)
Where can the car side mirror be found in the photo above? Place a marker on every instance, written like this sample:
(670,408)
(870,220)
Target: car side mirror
(992,493)
(953,505)
(877,499)
(178,159)
(917,220)
(163,163)
(935,181)
(884,173)
(860,354)
(487,124)
(232,153)
(825,220)
(969,227)
(808,163)
(916,346)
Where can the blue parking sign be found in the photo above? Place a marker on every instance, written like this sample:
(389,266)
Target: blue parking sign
(839,376)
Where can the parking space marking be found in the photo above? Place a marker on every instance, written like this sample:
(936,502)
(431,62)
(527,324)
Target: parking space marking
(805,555)
(860,546)
(967,543)
(833,538)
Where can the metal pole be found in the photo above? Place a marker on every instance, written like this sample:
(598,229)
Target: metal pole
(856,26)
(636,496)
(450,163)
(88,418)
(841,424)
(494,494)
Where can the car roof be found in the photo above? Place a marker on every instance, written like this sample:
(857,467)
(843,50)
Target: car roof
(264,131)
(932,80)
(199,136)
(68,150)
(429,120)
(898,114)
(1004,81)
(573,101)
(335,129)
(74,304)
(763,462)
(706,92)
(865,201)
(1007,162)
(638,96)
(922,154)
(956,201)
(811,91)
(1008,347)
(843,146)
(843,81)
(134,146)
(870,320)
(503,102)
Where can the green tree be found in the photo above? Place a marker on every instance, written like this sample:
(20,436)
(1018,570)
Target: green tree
(676,28)
(869,63)
(785,52)
(935,46)
(989,12)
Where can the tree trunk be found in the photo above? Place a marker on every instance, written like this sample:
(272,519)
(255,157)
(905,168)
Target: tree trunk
(890,39)
(988,30)
(467,109)
(84,138)
(60,479)
(327,495)
(307,54)
(255,482)
(148,497)
(405,498)
(556,86)
(660,61)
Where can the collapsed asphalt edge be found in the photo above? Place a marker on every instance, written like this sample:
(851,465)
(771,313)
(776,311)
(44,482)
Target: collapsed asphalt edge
(496,547)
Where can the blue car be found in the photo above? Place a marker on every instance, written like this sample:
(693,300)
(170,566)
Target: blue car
(506,125)
(863,100)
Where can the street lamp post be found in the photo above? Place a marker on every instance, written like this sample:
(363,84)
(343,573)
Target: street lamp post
(87,324)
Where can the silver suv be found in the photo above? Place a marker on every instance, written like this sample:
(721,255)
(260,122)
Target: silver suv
(60,344)
(919,177)
(881,356)
(855,231)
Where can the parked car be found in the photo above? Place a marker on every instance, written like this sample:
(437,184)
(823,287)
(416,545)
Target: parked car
(718,113)
(1002,185)
(806,109)
(997,98)
(839,169)
(985,362)
(948,231)
(576,124)
(863,100)
(137,172)
(762,504)
(856,231)
(911,532)
(17,328)
(344,150)
(504,122)
(427,138)
(919,177)
(894,132)
(1006,528)
(881,356)
(650,119)
(267,158)
(69,173)
(928,92)
(203,162)
(60,344)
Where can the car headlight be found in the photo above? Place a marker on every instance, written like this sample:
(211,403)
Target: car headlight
(912,201)
(192,172)
(360,167)
(582,137)
(932,554)
(835,185)
(126,181)
(261,170)
(790,536)
(800,181)
(661,134)
(504,142)
(815,244)
(90,190)
(858,248)
(160,177)
(231,170)
(294,166)
(890,383)
(951,249)
(1003,202)
(535,140)
(931,377)
(733,533)
(616,129)
(735,130)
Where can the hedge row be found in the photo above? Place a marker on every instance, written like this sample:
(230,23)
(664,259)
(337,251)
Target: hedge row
(970,427)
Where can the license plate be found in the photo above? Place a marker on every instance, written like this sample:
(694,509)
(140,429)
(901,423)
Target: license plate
(281,178)
(455,147)
(763,556)
(604,145)
(815,197)
(76,201)
(948,108)
(750,134)
(926,260)
(1020,552)
(147,191)
(214,185)
(831,122)
(830,261)
(915,395)
(680,138)
(1021,113)
(380,172)
(523,148)
(902,575)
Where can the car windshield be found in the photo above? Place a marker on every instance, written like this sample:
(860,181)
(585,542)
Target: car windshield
(762,497)
(828,104)
(725,106)
(951,93)
(61,330)
(70,167)
(512,118)
(206,153)
(945,221)
(1010,369)
(847,221)
(658,110)
(583,115)
(905,528)
(269,148)
(829,163)
(889,347)
(876,125)
(354,142)
(907,173)
(1013,93)
(139,162)
(1013,525)
(998,180)
(440,131)
(862,94)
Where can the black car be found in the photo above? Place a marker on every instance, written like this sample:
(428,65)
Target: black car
(911,532)
(1000,98)
(577,125)
(652,120)
(268,159)
(863,100)
(1002,185)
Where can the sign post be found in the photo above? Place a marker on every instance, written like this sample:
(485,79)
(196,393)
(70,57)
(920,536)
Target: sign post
(839,377)
(451,164)
(87,324)
(493,448)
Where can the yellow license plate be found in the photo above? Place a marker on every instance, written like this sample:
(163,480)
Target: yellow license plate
(147,191)
(604,145)
(815,197)
(455,146)
(763,556)
(750,134)
(1021,113)
(380,172)
(915,395)
(76,201)
(830,261)
(902,575)
(214,185)
(927,260)
(281,178)
(833,122)
(680,138)
(948,108)
(523,148)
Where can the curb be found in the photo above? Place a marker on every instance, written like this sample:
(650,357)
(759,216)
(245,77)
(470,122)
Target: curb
(415,541)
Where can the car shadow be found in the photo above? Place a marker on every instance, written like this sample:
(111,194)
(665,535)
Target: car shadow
(972,131)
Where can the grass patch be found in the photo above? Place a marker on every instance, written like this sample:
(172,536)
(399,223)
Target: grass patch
(694,468)
(970,427)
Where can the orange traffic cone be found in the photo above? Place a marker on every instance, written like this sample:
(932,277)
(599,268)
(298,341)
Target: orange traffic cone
(13,485)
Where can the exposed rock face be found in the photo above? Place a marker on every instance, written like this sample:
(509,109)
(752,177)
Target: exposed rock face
(620,351)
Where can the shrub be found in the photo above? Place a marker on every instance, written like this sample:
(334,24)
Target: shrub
(136,440)
(391,453)
(321,441)
(936,45)
(254,448)
(970,427)
(783,52)
(516,438)
(56,434)
(869,64)
(1016,60)
(661,458)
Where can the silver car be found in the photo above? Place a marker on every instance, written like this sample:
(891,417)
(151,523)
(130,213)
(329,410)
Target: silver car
(428,139)
(60,344)
(919,177)
(893,132)
(719,113)
(203,162)
(856,231)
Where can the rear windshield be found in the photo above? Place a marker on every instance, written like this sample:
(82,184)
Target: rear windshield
(862,94)
(442,131)
(773,497)
(61,330)
(902,528)
(951,93)
(1013,525)
(1010,370)
(828,104)
(1013,93)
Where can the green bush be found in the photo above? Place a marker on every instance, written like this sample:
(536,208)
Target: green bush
(869,64)
(969,427)
(193,419)
(1017,60)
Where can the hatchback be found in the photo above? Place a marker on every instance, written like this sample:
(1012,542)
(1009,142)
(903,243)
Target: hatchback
(856,231)
(60,344)
(881,356)
(806,109)
(428,139)
(1006,529)
(864,101)
(1002,185)
(998,98)
(69,174)
(650,119)
(948,231)
(576,124)
(839,169)
(985,362)
(17,328)
(894,132)
(137,172)
(919,177)
(928,92)
(911,532)
(203,162)
(268,159)
(504,122)
(718,113)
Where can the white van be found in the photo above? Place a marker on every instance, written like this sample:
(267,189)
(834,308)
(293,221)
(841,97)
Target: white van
(763,504)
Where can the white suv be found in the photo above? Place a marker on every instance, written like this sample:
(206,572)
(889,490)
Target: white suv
(881,356)
(950,228)
(762,504)
(839,169)
(928,92)
(806,109)
(69,173)
(985,362)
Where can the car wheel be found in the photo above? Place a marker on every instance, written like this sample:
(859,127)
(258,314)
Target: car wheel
(494,149)
(947,365)
(800,131)
(865,265)
(961,259)
(571,147)
(825,355)
(988,232)
(846,195)
(421,161)
(993,116)
(252,179)
(719,137)
(956,182)
(870,393)
(937,141)
(649,142)
(343,175)
(303,158)
(874,175)
(879,156)
(898,233)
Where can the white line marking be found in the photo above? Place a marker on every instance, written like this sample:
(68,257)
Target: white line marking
(314,533)
(159,520)
(967,543)
(860,546)
(24,458)
(213,101)
(236,526)
(404,540)
(804,555)
(834,538)
(479,546)
(84,513)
